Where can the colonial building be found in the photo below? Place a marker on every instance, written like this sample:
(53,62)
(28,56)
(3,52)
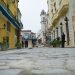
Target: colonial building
(39,37)
(10,23)
(62,20)
(44,27)
(28,39)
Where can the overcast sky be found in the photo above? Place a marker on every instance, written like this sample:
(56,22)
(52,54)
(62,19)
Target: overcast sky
(31,10)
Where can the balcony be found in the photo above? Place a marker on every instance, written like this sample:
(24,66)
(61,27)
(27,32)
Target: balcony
(63,8)
(8,14)
(55,18)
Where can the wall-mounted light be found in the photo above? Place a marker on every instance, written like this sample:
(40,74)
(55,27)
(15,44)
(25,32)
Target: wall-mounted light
(66,19)
(61,23)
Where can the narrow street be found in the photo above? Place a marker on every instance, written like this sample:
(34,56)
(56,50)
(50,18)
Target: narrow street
(38,61)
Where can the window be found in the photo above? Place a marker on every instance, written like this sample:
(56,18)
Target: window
(52,10)
(4,40)
(13,1)
(60,2)
(54,34)
(8,26)
(74,38)
(67,31)
(55,6)
(61,30)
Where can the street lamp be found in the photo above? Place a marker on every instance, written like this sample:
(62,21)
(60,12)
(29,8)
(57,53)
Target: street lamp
(61,28)
(57,31)
(67,29)
(66,19)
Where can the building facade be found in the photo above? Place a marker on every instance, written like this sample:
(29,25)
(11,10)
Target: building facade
(39,37)
(62,20)
(28,39)
(10,23)
(44,27)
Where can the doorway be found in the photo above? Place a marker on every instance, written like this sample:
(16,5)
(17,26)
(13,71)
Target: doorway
(26,44)
(74,38)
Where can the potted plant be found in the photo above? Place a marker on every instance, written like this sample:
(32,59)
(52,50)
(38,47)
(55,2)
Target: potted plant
(55,43)
(18,45)
(1,46)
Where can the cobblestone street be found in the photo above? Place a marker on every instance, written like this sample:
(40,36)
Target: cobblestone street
(38,61)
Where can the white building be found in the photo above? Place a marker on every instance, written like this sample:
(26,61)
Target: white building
(28,38)
(62,20)
(44,27)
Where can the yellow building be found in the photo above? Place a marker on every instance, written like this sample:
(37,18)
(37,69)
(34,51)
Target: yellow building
(10,23)
(62,20)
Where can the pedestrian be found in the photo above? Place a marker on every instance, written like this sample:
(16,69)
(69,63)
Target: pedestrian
(63,40)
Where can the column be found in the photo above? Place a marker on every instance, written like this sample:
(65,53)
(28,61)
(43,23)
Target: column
(67,30)
(29,43)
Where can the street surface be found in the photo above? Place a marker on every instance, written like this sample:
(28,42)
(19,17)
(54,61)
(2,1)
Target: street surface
(38,61)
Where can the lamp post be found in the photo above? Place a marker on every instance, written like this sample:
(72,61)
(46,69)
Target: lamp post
(61,28)
(62,36)
(67,29)
(57,31)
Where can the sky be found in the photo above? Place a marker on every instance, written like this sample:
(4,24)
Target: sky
(30,10)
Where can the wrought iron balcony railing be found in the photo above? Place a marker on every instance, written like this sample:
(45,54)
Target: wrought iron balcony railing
(6,11)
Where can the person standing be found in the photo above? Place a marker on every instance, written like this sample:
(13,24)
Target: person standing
(63,40)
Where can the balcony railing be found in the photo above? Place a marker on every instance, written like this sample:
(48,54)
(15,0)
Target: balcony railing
(6,8)
(63,7)
(55,18)
(61,11)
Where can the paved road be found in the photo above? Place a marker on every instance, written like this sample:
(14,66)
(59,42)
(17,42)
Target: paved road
(38,61)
